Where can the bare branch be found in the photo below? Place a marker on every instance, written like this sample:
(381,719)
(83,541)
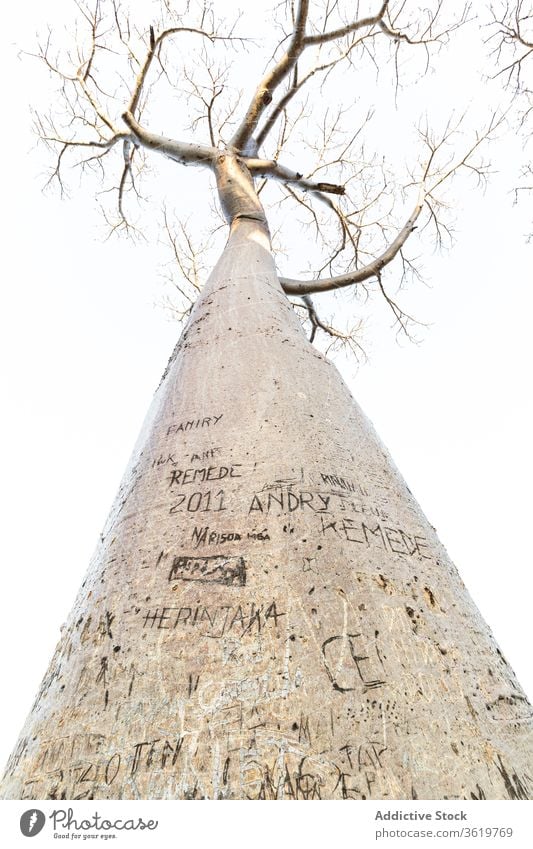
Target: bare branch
(297,85)
(373,269)
(153,50)
(512,37)
(264,92)
(334,35)
(338,339)
(401,318)
(269,168)
(183,152)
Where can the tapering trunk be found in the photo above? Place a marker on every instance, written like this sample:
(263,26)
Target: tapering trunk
(269,614)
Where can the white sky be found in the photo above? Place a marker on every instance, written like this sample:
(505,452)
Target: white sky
(84,345)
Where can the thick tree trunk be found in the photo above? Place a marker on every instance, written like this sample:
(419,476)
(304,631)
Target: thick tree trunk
(269,614)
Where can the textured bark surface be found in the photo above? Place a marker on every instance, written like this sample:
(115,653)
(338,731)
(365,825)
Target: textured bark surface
(269,614)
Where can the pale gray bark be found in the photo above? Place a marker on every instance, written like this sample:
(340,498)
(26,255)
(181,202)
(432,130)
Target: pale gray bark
(269,615)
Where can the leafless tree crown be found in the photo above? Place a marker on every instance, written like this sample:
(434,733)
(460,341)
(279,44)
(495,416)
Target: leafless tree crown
(297,133)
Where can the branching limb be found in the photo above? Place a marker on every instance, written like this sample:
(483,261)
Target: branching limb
(512,39)
(426,33)
(128,152)
(103,145)
(317,322)
(403,320)
(250,137)
(52,138)
(185,153)
(264,92)
(338,339)
(269,168)
(359,275)
(186,271)
(263,96)
(334,35)
(297,84)
(433,177)
(154,49)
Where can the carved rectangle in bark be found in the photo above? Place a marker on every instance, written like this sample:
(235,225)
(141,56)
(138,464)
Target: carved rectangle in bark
(216,569)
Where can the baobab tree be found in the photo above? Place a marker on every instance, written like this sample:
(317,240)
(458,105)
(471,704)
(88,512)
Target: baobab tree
(268,613)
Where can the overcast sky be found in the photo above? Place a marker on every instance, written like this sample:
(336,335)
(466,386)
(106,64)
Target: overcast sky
(84,343)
